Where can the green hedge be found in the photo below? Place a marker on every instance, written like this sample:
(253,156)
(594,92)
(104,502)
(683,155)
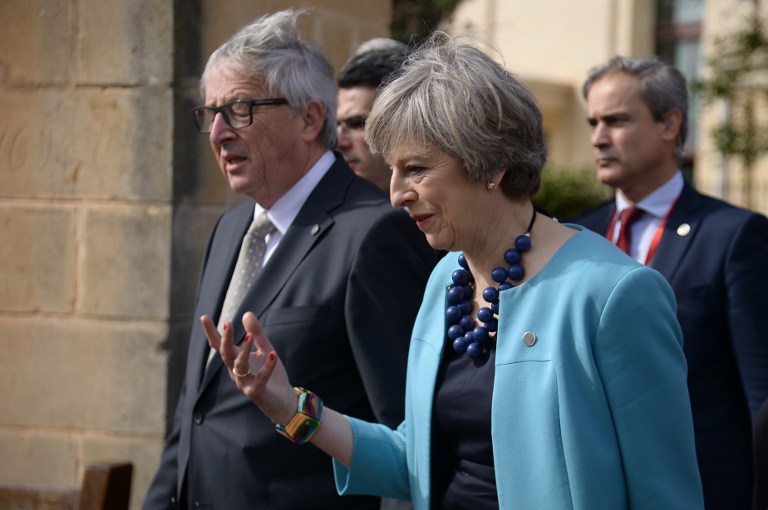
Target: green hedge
(568,192)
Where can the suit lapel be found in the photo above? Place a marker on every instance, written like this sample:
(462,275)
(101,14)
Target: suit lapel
(307,229)
(681,227)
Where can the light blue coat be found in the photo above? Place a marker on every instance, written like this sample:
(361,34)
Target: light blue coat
(595,415)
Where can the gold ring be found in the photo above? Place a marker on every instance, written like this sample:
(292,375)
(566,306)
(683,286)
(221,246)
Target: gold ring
(237,374)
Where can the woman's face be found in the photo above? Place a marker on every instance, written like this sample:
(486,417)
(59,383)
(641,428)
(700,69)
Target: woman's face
(439,196)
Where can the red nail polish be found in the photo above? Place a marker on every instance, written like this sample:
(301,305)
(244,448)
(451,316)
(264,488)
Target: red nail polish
(247,336)
(226,326)
(271,356)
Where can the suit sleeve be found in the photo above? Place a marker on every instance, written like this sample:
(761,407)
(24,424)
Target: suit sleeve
(641,362)
(747,283)
(386,286)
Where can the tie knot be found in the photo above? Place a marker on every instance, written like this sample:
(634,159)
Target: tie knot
(261,226)
(629,215)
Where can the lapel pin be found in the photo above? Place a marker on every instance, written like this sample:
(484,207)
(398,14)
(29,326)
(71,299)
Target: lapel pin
(315,229)
(683,230)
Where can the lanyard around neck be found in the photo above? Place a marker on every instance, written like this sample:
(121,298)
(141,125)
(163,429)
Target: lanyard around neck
(656,236)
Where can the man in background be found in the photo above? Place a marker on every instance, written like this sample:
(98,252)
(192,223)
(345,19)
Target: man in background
(334,274)
(712,253)
(359,80)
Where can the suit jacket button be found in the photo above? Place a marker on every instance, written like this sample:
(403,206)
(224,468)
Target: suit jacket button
(198,418)
(529,338)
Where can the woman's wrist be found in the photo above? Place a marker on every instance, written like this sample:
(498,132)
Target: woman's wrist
(306,419)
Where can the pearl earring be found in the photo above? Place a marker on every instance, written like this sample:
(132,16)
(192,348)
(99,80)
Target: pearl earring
(490,185)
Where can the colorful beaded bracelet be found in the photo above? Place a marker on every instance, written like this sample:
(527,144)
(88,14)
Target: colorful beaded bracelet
(306,421)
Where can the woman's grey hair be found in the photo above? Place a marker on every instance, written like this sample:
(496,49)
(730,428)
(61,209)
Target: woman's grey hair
(452,96)
(663,87)
(271,49)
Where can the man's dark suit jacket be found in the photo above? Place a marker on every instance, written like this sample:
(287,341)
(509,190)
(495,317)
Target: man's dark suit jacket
(337,299)
(718,272)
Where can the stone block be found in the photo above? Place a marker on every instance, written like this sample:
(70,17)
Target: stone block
(127,43)
(37,258)
(62,374)
(35,41)
(87,143)
(125,261)
(37,458)
(362,9)
(143,453)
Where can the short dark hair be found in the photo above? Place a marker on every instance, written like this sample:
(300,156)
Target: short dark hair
(374,63)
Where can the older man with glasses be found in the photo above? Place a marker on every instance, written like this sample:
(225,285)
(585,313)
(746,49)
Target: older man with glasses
(332,271)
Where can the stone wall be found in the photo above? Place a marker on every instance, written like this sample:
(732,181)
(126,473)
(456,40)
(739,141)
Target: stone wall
(107,194)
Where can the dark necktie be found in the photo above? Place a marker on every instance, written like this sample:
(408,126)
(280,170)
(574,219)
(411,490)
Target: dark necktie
(627,217)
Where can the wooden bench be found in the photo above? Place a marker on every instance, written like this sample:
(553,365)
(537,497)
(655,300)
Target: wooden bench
(106,486)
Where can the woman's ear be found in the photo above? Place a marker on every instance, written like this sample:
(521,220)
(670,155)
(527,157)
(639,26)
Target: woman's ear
(499,177)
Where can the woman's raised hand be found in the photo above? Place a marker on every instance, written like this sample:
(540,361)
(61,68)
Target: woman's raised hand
(258,372)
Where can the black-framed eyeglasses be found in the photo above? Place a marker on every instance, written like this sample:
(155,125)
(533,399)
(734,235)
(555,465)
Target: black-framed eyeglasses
(237,114)
(354,123)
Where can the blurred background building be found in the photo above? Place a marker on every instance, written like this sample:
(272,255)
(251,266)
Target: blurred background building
(551,44)
(107,192)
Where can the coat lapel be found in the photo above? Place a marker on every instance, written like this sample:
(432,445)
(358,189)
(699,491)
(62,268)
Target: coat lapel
(681,228)
(307,229)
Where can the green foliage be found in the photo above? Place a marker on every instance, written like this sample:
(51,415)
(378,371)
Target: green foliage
(568,192)
(413,20)
(740,60)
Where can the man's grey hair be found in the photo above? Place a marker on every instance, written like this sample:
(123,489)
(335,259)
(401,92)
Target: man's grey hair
(272,50)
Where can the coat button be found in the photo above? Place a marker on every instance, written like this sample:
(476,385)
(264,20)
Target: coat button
(198,418)
(315,229)
(529,339)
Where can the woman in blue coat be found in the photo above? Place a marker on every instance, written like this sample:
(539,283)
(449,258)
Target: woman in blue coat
(546,368)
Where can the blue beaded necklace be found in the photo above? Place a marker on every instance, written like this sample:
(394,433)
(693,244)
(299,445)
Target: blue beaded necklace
(467,338)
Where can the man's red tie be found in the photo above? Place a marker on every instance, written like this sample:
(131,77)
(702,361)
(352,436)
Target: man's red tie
(627,217)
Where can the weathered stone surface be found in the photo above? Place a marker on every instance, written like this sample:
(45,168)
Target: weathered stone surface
(38,457)
(88,143)
(127,43)
(37,258)
(82,374)
(124,265)
(35,41)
